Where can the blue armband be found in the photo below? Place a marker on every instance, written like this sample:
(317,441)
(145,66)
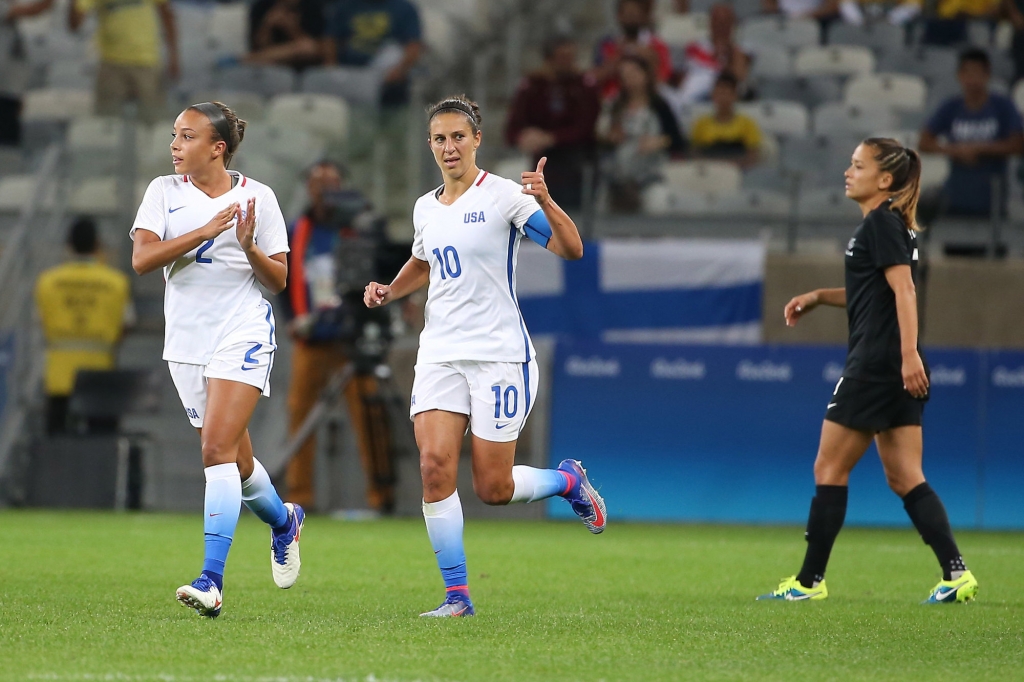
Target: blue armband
(538,229)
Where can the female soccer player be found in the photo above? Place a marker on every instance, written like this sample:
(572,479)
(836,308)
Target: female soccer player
(884,386)
(476,367)
(219,341)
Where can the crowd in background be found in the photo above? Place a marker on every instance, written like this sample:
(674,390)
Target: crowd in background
(628,113)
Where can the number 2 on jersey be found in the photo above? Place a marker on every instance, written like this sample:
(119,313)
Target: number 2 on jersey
(200,258)
(450,256)
(511,400)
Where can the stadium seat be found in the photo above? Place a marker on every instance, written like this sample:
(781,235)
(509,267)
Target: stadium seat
(94,196)
(856,120)
(513,168)
(778,117)
(808,91)
(439,34)
(908,137)
(70,73)
(756,203)
(94,145)
(264,80)
(15,192)
(834,61)
(900,92)
(280,178)
(56,104)
(771,61)
(878,36)
(980,33)
(1018,95)
(779,31)
(679,30)
(936,64)
(764,177)
(248,105)
(827,205)
(357,86)
(227,29)
(289,146)
(324,116)
(662,199)
(719,177)
(934,169)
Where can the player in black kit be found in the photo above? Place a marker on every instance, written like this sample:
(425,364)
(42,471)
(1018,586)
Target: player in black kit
(884,386)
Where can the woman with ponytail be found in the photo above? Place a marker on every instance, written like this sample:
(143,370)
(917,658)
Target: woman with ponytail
(220,338)
(884,386)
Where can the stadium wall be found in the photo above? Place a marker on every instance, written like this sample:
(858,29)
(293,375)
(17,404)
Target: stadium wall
(968,303)
(729,434)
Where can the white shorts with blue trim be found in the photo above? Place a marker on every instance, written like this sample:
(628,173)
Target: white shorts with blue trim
(246,355)
(497,396)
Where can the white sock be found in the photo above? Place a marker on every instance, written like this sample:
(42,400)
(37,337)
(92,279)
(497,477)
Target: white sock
(537,484)
(260,496)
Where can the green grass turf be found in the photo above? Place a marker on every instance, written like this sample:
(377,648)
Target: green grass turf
(91,597)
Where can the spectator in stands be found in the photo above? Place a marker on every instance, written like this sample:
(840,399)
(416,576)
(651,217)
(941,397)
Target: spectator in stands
(726,134)
(861,12)
(820,10)
(130,53)
(949,25)
(1013,11)
(318,331)
(380,34)
(978,130)
(706,59)
(641,130)
(635,38)
(83,306)
(286,32)
(553,114)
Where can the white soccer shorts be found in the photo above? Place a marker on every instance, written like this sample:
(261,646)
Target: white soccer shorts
(497,396)
(246,355)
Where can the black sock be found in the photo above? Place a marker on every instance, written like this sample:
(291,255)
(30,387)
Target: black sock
(828,511)
(929,516)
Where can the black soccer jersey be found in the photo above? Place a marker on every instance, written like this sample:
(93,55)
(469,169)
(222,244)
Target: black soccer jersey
(881,241)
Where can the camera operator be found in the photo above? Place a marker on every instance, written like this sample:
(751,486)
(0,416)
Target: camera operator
(337,241)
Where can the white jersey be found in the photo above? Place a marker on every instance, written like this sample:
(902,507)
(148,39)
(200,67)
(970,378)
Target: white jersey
(472,247)
(211,290)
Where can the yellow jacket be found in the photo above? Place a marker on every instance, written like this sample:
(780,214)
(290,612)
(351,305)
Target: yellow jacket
(82,305)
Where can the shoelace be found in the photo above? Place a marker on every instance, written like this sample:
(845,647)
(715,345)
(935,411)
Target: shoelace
(202,583)
(280,545)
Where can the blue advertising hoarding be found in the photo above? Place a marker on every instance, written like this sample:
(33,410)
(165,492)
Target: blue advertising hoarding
(729,434)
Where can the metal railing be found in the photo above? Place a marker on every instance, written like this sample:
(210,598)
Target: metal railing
(29,246)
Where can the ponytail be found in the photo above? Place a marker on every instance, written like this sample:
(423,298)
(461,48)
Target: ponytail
(227,127)
(904,164)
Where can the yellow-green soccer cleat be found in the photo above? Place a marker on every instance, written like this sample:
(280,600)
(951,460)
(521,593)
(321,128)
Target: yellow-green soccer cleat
(958,591)
(790,589)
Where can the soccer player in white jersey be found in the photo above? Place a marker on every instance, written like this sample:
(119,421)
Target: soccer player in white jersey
(476,366)
(215,233)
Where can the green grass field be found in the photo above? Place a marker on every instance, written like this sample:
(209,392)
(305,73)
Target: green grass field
(91,597)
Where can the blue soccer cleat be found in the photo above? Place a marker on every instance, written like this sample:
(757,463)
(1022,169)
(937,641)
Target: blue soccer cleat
(284,548)
(202,595)
(455,606)
(584,498)
(958,591)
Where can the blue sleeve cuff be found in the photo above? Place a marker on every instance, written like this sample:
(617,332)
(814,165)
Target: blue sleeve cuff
(538,229)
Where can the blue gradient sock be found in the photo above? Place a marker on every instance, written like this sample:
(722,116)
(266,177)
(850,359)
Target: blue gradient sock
(261,497)
(220,515)
(539,484)
(444,526)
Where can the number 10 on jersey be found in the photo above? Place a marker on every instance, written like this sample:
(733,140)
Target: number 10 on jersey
(448,260)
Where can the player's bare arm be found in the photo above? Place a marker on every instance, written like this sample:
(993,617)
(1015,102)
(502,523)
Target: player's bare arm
(149,252)
(565,237)
(915,380)
(270,271)
(414,275)
(800,305)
